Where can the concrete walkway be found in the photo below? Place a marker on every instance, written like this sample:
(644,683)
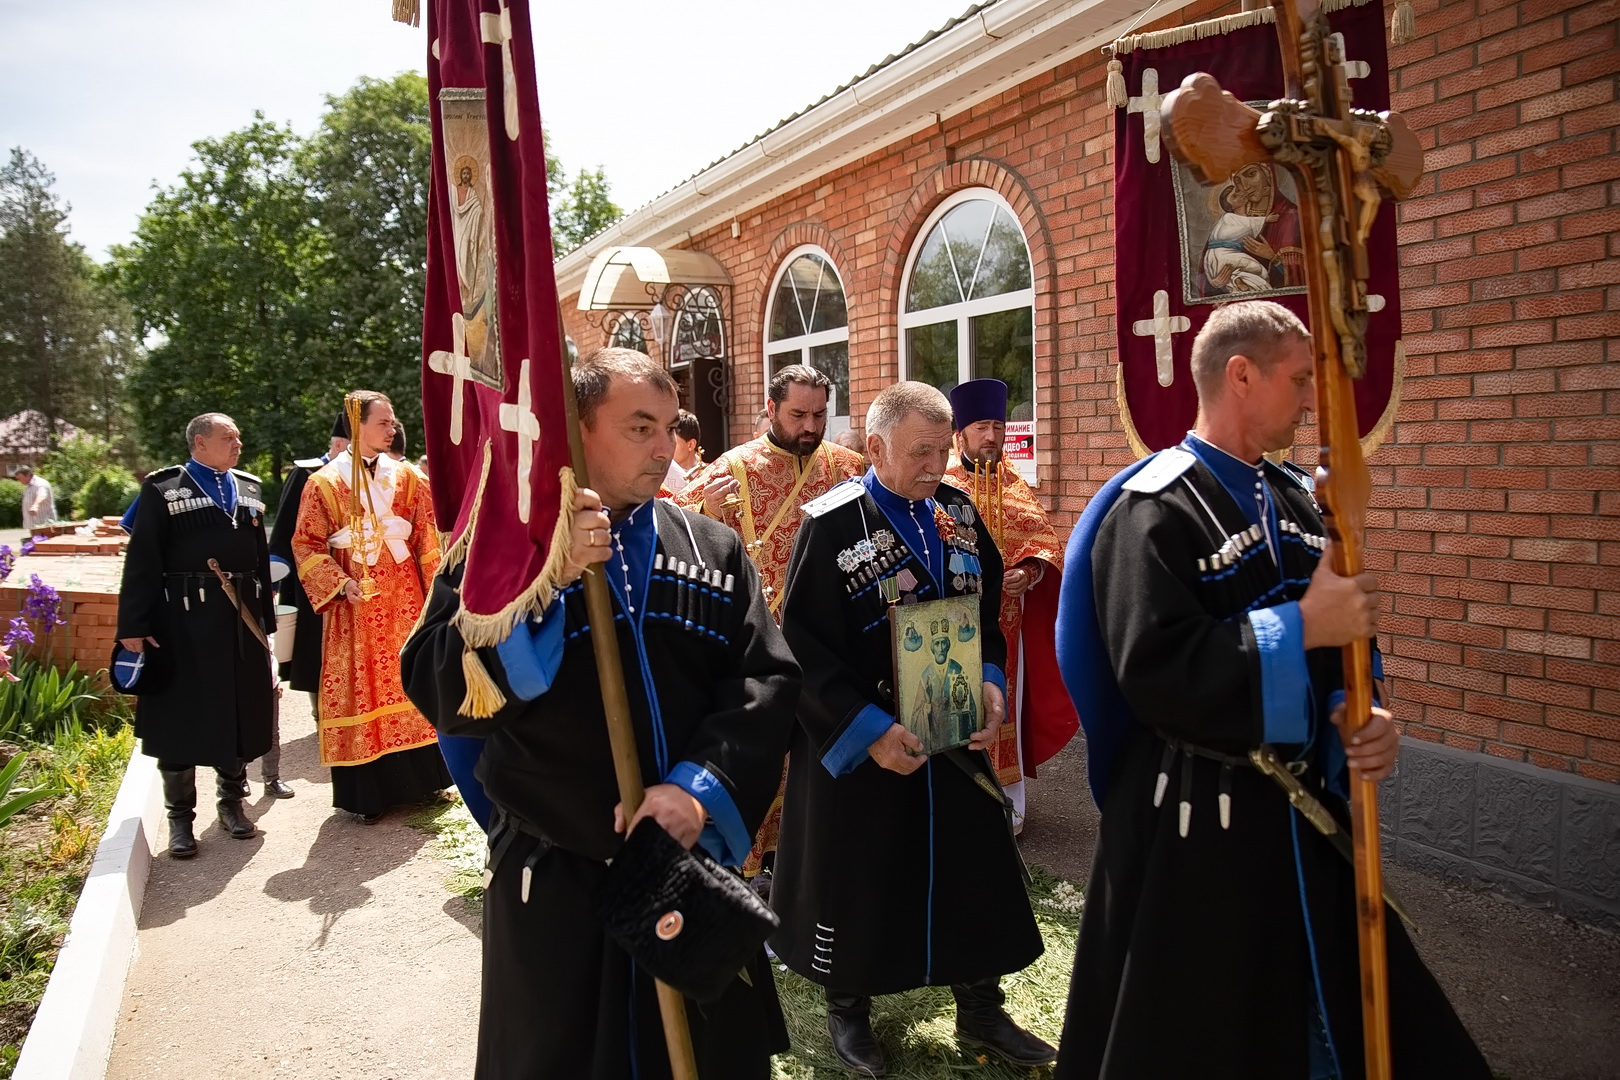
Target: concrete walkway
(321,948)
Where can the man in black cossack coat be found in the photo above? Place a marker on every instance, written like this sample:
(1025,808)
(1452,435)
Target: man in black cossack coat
(208,692)
(896,869)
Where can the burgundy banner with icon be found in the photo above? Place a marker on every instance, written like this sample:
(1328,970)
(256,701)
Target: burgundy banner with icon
(492,363)
(1183,247)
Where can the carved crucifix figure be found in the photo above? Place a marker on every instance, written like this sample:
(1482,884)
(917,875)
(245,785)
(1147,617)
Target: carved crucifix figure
(1344,160)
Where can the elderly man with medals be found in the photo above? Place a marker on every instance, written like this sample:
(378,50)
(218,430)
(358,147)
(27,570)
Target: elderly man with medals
(193,612)
(757,489)
(897,869)
(1040,716)
(367,548)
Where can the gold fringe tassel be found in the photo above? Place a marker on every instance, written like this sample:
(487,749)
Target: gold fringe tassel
(1118,96)
(1402,24)
(484,699)
(1226,24)
(485,630)
(407,12)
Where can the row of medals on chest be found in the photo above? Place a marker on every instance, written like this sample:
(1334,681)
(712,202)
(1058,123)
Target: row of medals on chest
(877,556)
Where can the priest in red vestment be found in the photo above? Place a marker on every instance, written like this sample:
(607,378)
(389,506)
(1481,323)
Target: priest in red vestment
(367,572)
(1040,716)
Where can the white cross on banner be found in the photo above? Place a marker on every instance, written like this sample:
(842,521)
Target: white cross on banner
(1148,105)
(497,30)
(520,418)
(458,365)
(1159,328)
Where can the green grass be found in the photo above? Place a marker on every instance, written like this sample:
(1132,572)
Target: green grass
(45,853)
(457,840)
(917,1028)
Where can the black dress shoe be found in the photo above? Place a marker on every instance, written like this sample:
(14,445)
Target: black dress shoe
(278,789)
(849,1023)
(233,821)
(1005,1039)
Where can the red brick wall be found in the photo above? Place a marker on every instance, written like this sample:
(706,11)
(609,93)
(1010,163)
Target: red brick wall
(1496,526)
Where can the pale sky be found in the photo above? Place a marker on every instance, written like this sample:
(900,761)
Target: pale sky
(110,94)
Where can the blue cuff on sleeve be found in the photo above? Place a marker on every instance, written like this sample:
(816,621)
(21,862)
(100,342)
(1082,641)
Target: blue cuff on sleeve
(1284,684)
(726,840)
(532,653)
(850,749)
(993,674)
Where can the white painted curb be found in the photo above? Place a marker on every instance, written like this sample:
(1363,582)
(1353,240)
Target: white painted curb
(72,1034)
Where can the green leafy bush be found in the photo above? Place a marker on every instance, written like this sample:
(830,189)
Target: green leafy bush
(71,465)
(109,491)
(45,703)
(10,504)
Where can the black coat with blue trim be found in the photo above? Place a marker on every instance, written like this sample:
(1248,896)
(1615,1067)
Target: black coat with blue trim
(216,710)
(724,682)
(886,882)
(1213,916)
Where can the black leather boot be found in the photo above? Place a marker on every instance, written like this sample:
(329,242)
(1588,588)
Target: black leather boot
(180,800)
(849,1023)
(229,790)
(981,1023)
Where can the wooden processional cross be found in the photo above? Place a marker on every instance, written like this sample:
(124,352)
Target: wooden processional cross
(1345,161)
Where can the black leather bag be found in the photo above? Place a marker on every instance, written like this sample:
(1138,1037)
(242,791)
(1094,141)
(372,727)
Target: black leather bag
(680,915)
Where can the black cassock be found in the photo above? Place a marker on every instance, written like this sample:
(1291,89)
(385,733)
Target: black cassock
(712,689)
(1209,948)
(216,710)
(887,882)
(303,671)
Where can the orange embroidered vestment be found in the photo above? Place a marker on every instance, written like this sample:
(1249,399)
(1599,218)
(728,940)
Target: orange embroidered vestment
(1039,712)
(772,486)
(364,713)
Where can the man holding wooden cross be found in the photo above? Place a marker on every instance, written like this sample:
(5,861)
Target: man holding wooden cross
(1204,581)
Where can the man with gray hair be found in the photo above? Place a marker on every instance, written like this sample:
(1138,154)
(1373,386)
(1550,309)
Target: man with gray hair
(897,869)
(1200,630)
(193,612)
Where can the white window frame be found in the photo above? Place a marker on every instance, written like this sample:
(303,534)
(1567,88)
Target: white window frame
(965,310)
(805,342)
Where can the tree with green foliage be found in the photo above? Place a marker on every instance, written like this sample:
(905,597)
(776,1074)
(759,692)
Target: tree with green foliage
(367,168)
(584,209)
(224,268)
(61,341)
(71,465)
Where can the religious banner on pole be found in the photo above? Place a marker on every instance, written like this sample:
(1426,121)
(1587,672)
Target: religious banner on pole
(1182,247)
(492,366)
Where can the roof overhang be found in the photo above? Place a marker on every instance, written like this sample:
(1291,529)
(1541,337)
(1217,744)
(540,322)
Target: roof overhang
(633,278)
(1001,46)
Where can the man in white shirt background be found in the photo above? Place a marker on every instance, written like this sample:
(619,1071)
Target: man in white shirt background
(38,501)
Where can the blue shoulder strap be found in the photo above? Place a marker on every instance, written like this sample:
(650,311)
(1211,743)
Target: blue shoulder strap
(1082,652)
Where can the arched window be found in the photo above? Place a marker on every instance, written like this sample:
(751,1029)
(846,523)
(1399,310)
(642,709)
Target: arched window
(968,305)
(806,323)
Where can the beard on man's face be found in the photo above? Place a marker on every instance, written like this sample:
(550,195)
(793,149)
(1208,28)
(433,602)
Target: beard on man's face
(804,444)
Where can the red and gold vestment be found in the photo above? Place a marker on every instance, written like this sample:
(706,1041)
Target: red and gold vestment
(364,713)
(772,484)
(1039,712)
